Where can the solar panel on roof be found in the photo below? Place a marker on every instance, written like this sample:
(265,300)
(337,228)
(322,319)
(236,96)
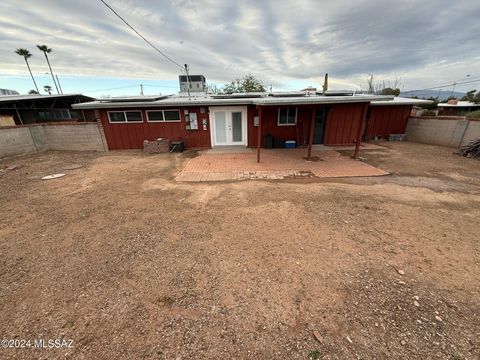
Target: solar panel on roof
(134,98)
(337,93)
(287,94)
(238,95)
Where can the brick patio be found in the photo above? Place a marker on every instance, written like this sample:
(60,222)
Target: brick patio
(275,164)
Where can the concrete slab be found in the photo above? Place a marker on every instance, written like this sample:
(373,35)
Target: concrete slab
(275,164)
(235,149)
(363,146)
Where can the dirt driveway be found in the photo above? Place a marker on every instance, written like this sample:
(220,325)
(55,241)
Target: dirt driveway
(130,264)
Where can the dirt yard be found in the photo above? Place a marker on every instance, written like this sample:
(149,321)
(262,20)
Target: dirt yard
(130,264)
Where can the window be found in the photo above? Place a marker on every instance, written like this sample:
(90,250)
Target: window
(125,116)
(171,115)
(163,116)
(287,116)
(155,116)
(55,114)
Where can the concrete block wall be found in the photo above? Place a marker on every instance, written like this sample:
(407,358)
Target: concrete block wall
(445,131)
(473,132)
(41,137)
(16,140)
(74,137)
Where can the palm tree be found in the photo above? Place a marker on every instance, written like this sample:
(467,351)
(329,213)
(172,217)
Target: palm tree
(48,89)
(26,54)
(46,50)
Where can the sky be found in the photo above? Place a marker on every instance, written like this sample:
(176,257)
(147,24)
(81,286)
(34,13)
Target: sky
(287,44)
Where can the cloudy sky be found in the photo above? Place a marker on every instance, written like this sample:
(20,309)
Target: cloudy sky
(289,44)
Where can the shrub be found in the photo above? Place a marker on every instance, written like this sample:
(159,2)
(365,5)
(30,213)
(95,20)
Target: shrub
(473,114)
(429,112)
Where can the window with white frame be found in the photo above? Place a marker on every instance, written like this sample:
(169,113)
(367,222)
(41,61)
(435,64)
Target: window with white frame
(287,116)
(163,116)
(125,116)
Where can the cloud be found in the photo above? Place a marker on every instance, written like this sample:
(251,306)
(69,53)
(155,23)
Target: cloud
(279,41)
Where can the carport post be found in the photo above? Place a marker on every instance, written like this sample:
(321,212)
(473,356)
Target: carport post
(259,132)
(360,130)
(310,136)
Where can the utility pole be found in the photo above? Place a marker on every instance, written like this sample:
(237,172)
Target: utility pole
(141,89)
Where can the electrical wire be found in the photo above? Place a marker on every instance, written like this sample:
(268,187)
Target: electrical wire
(115,88)
(470,81)
(143,37)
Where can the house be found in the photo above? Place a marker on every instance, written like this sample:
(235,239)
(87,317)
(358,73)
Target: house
(457,107)
(202,120)
(30,109)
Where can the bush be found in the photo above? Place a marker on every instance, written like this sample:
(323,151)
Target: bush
(429,113)
(473,114)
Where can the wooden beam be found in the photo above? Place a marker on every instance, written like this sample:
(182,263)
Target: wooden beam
(259,132)
(360,130)
(310,136)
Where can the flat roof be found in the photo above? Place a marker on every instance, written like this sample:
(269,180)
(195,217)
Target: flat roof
(6,98)
(459,104)
(401,101)
(266,100)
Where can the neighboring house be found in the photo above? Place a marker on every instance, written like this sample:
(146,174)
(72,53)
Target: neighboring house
(457,107)
(30,109)
(204,121)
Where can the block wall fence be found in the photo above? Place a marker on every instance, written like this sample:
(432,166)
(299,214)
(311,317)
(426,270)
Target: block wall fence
(28,139)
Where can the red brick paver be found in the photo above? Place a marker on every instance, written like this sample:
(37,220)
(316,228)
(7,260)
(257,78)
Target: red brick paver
(275,164)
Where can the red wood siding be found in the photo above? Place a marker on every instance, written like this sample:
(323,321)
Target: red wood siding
(341,127)
(270,125)
(342,123)
(385,120)
(131,135)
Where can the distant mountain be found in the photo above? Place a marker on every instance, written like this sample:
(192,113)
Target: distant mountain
(441,94)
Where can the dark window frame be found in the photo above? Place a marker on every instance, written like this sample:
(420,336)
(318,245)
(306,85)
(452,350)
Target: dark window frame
(163,114)
(125,120)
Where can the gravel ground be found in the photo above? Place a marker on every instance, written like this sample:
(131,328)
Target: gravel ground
(129,264)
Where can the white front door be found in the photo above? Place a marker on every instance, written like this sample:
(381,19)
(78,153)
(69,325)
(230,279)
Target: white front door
(228,125)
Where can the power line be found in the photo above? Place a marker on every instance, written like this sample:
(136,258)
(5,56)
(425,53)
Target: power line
(115,88)
(143,37)
(447,85)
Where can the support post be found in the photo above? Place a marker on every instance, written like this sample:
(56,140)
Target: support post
(259,132)
(360,130)
(18,114)
(310,136)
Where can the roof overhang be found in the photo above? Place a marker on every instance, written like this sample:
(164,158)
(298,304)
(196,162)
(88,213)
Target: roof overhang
(319,100)
(34,97)
(263,101)
(400,101)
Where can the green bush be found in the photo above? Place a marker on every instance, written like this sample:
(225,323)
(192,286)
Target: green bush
(473,114)
(429,112)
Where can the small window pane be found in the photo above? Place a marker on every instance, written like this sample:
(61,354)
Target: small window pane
(172,115)
(283,116)
(134,116)
(155,115)
(117,116)
(292,112)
